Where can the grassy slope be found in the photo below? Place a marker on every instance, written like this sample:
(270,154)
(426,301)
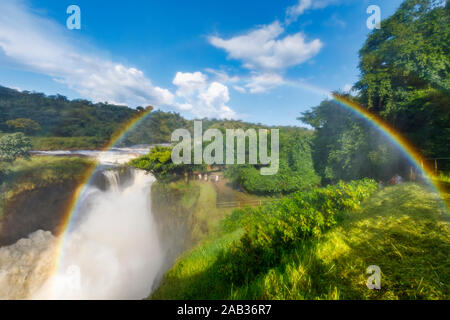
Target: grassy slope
(27,175)
(401,229)
(67,143)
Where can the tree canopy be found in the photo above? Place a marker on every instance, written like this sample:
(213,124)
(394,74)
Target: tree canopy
(405,74)
(24,125)
(404,80)
(13,146)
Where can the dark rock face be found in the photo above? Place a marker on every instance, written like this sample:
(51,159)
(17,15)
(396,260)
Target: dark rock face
(44,208)
(40,209)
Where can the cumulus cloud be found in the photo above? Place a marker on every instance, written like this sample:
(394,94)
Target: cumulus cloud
(202,98)
(263,49)
(188,83)
(40,45)
(267,54)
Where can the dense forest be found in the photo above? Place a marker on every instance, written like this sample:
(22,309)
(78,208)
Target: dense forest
(80,123)
(405,68)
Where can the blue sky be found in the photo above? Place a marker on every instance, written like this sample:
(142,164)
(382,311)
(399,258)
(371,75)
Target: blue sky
(253,60)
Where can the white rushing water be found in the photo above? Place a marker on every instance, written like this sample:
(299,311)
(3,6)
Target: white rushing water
(112,250)
(112,156)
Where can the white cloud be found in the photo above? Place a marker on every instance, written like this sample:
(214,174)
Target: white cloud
(293,12)
(261,48)
(203,99)
(222,76)
(188,83)
(42,46)
(239,89)
(262,82)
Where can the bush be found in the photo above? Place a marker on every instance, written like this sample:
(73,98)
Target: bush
(273,229)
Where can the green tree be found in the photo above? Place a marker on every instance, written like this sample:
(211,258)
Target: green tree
(159,163)
(404,80)
(345,147)
(405,76)
(13,146)
(296,170)
(24,125)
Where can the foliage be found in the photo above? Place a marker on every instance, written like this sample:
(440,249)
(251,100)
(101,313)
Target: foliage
(13,146)
(67,143)
(37,172)
(24,125)
(159,163)
(75,124)
(295,172)
(157,127)
(80,123)
(402,229)
(345,147)
(274,228)
(61,117)
(404,80)
(405,73)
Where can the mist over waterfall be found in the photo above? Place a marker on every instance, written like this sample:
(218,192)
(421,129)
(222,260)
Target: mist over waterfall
(111,250)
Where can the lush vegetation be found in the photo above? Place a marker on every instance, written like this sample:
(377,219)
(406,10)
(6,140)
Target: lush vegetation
(159,163)
(13,146)
(55,122)
(405,73)
(67,143)
(296,170)
(402,229)
(404,80)
(58,116)
(313,243)
(37,172)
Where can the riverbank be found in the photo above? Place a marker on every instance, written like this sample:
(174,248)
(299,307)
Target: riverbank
(35,193)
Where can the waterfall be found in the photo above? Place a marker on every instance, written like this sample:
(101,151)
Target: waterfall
(111,250)
(112,177)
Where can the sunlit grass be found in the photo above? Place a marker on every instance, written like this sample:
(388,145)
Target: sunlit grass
(26,175)
(67,143)
(402,229)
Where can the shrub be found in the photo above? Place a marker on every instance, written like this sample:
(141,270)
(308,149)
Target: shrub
(273,229)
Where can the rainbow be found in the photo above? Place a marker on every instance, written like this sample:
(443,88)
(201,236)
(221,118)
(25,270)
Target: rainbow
(84,181)
(405,146)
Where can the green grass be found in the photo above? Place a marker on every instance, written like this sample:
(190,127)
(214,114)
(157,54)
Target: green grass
(67,143)
(444,177)
(402,229)
(26,175)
